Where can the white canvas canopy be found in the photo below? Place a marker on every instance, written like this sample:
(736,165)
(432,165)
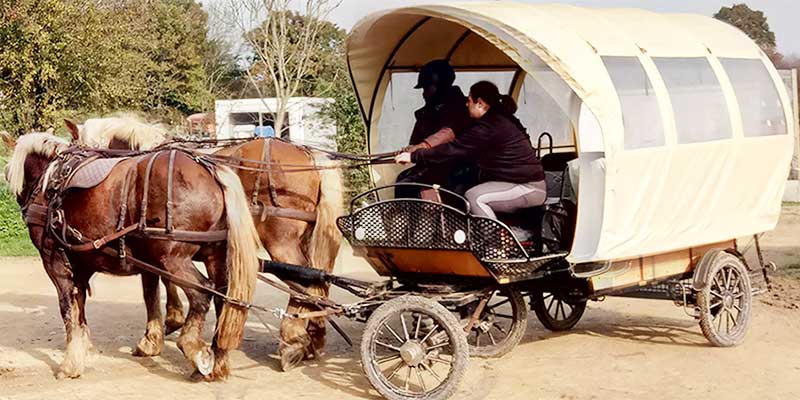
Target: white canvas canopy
(681,124)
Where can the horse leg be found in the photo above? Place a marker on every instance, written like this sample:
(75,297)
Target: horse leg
(71,301)
(217,269)
(175,318)
(295,340)
(153,341)
(190,341)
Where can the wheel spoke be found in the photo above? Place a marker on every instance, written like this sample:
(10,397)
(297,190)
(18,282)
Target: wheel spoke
(493,306)
(388,346)
(716,282)
(435,327)
(506,316)
(494,342)
(408,377)
(550,306)
(715,305)
(734,282)
(432,372)
(440,345)
(396,370)
(405,329)
(419,322)
(564,310)
(715,294)
(727,273)
(736,306)
(421,381)
(499,328)
(396,336)
(439,360)
(387,359)
(730,314)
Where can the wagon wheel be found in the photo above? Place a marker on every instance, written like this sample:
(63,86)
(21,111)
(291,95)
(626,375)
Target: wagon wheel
(556,311)
(414,348)
(501,325)
(725,303)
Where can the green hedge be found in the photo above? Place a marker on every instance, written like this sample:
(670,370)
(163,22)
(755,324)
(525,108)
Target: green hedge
(14,239)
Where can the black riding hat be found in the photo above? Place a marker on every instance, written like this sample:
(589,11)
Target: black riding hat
(438,73)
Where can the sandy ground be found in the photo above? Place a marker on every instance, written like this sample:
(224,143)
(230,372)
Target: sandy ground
(622,349)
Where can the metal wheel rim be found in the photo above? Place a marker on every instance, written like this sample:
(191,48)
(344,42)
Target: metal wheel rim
(409,331)
(489,330)
(727,301)
(556,306)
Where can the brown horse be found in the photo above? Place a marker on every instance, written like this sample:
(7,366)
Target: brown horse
(203,200)
(276,175)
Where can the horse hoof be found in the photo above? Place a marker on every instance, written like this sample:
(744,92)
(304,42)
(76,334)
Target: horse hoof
(146,348)
(291,359)
(67,373)
(204,360)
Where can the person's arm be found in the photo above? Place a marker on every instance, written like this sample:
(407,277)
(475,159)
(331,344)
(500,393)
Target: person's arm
(470,144)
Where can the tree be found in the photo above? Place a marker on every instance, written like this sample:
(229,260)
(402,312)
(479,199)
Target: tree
(81,58)
(45,64)
(286,46)
(754,24)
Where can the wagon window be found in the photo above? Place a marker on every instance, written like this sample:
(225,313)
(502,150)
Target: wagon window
(701,113)
(640,112)
(759,103)
(401,100)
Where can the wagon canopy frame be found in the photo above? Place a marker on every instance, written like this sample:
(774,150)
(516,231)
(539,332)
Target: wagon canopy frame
(706,161)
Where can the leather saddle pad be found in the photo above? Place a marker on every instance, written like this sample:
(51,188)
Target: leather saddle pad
(93,173)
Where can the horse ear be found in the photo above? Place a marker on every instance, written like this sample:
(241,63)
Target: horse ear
(73,129)
(8,140)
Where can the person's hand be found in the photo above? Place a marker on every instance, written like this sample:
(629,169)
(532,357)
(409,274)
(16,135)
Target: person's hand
(403,158)
(414,147)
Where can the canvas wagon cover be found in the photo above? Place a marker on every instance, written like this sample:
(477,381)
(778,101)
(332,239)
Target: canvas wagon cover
(632,202)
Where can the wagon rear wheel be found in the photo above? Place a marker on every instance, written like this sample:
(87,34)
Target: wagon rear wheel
(501,325)
(557,311)
(414,348)
(725,302)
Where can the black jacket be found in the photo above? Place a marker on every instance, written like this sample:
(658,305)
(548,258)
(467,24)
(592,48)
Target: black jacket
(448,111)
(499,143)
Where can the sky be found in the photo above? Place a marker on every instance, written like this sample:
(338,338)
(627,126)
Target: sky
(783,15)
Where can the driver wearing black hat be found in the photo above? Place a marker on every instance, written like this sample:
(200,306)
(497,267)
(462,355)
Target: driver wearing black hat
(443,117)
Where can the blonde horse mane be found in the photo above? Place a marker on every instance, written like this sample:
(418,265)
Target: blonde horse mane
(42,143)
(140,135)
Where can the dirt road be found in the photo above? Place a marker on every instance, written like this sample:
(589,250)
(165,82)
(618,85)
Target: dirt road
(622,349)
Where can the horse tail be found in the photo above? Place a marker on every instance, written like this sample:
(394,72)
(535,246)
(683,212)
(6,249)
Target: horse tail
(242,259)
(326,238)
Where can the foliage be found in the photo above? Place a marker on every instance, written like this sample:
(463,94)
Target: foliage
(86,57)
(754,24)
(14,239)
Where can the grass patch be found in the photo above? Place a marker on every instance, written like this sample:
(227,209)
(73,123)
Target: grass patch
(14,239)
(791,270)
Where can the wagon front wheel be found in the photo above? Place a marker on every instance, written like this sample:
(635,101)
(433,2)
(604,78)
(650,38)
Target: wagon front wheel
(501,325)
(557,311)
(725,302)
(414,348)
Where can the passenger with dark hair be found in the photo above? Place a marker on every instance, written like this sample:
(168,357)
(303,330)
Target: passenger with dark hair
(511,177)
(443,117)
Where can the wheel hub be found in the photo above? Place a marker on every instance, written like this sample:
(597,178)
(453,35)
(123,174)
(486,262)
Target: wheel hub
(412,353)
(727,300)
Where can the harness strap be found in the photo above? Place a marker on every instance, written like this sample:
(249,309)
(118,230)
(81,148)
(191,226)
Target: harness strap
(99,243)
(146,191)
(170,171)
(257,186)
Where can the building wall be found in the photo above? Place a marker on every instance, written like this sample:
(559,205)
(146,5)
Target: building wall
(305,123)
